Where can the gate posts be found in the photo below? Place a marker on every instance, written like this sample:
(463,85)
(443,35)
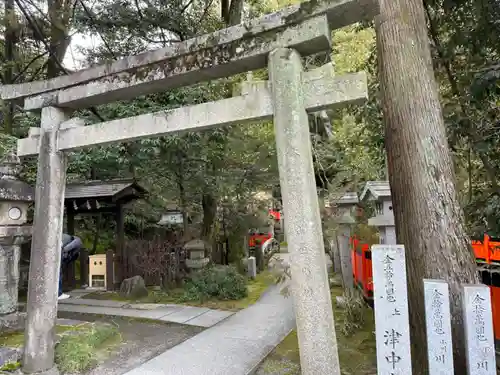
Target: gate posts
(45,248)
(310,288)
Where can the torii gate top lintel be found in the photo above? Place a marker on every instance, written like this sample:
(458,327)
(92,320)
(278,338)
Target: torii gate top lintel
(279,40)
(233,50)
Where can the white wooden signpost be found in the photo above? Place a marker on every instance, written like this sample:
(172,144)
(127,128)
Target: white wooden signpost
(390,296)
(438,327)
(478,322)
(392,320)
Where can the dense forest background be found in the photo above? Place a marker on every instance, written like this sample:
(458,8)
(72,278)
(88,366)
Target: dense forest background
(214,175)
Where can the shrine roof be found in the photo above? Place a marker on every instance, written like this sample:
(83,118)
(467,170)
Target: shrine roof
(375,190)
(114,189)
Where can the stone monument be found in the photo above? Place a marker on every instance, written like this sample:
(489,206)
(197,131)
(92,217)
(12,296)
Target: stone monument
(380,193)
(15,198)
(345,219)
(196,254)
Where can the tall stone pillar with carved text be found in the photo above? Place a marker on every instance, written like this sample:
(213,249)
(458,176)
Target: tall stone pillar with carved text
(310,288)
(45,248)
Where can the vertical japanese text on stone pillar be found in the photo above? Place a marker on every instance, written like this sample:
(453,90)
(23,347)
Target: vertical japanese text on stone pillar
(478,321)
(391,310)
(438,327)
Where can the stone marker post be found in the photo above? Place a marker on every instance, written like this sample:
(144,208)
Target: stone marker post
(392,329)
(15,197)
(334,249)
(438,327)
(478,320)
(309,284)
(45,248)
(252,267)
(345,221)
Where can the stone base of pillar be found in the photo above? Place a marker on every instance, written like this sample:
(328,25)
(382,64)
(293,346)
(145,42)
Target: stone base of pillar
(12,322)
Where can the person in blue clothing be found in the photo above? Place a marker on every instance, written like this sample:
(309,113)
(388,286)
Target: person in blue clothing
(70,250)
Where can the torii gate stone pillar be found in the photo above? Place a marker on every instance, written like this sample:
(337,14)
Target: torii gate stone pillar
(45,247)
(310,286)
(279,39)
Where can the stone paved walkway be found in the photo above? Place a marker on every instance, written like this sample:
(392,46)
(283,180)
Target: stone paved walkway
(188,315)
(235,346)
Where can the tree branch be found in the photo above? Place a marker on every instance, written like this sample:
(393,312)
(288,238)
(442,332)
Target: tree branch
(471,131)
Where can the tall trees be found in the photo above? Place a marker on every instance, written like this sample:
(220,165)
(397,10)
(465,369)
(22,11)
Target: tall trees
(60,12)
(429,219)
(10,19)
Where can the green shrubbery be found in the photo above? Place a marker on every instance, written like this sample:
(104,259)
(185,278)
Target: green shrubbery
(77,353)
(220,282)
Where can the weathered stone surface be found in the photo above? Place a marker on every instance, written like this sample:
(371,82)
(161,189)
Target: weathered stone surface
(252,267)
(15,197)
(311,36)
(391,309)
(321,92)
(12,322)
(45,248)
(9,278)
(478,321)
(438,327)
(310,287)
(338,12)
(343,235)
(209,318)
(133,288)
(113,311)
(9,355)
(184,314)
(92,302)
(11,188)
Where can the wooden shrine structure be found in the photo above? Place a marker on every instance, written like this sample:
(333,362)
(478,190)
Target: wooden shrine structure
(95,197)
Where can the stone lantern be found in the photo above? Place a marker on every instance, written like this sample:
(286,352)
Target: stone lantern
(344,217)
(380,193)
(196,254)
(15,199)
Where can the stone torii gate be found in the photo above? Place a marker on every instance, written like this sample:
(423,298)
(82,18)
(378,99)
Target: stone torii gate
(277,40)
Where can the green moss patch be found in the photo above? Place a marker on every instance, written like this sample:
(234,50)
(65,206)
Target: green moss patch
(79,349)
(80,352)
(16,339)
(357,351)
(10,367)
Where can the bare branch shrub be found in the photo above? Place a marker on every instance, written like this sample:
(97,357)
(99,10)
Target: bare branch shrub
(159,258)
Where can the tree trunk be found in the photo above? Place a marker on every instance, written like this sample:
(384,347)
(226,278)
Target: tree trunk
(182,196)
(9,56)
(59,16)
(232,13)
(209,204)
(429,220)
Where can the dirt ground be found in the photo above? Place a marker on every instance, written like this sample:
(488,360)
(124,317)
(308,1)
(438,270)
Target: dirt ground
(140,341)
